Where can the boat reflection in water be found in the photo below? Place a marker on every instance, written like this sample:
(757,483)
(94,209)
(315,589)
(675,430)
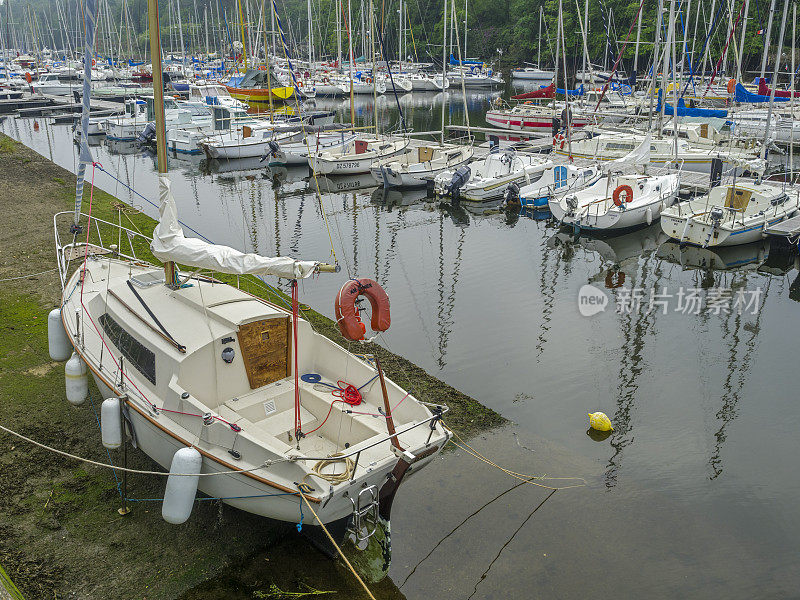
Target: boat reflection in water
(393,198)
(720,258)
(331,184)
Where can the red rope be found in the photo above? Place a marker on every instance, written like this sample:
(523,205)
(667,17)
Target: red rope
(295,308)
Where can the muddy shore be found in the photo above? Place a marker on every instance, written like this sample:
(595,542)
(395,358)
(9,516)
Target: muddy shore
(60,533)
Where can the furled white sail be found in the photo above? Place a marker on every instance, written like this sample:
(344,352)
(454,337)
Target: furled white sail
(169,244)
(637,157)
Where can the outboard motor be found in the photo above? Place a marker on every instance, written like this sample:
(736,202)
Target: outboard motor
(716,215)
(274,151)
(512,195)
(460,177)
(149,134)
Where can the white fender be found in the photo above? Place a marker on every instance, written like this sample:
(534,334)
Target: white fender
(111,423)
(76,380)
(648,215)
(181,490)
(57,338)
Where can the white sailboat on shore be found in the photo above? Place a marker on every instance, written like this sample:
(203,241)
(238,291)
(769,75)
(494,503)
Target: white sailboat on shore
(220,386)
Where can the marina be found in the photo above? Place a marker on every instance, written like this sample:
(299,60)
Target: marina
(307,315)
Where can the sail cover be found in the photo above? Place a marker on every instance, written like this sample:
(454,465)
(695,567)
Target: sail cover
(764,90)
(637,157)
(684,111)
(742,95)
(542,92)
(169,244)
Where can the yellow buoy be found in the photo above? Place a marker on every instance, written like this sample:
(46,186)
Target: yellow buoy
(600,422)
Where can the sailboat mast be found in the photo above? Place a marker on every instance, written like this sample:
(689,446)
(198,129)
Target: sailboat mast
(350,52)
(158,94)
(241,27)
(766,40)
(466,14)
(444,62)
(778,49)
(638,36)
(310,39)
(741,41)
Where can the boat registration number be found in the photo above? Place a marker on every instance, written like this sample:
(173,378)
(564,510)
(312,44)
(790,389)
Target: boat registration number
(347,165)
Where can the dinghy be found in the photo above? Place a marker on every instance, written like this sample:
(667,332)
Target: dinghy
(415,169)
(366,150)
(553,183)
(487,179)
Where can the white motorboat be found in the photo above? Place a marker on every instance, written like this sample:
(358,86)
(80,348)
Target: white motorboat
(617,202)
(330,85)
(735,213)
(213,94)
(488,178)
(247,141)
(366,150)
(475,80)
(50,84)
(296,152)
(554,182)
(532,74)
(127,127)
(415,169)
(398,82)
(423,82)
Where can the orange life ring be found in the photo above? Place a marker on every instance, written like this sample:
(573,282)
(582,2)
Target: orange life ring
(618,192)
(93,62)
(347,313)
(731,85)
(612,282)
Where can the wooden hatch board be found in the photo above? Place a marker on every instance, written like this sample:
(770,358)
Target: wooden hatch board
(266,350)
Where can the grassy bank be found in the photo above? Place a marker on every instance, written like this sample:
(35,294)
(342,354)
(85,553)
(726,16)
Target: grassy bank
(60,535)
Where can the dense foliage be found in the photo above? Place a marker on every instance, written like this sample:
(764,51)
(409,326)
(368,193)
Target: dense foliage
(504,30)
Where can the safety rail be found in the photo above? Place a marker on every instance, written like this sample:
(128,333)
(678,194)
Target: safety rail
(79,240)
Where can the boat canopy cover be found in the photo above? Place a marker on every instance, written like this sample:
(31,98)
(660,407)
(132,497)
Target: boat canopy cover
(579,91)
(764,90)
(131,63)
(683,111)
(169,243)
(542,92)
(637,157)
(742,95)
(455,61)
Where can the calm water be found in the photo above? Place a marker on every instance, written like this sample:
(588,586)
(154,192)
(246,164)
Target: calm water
(695,492)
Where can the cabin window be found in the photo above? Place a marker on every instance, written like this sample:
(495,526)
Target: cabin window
(619,146)
(142,358)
